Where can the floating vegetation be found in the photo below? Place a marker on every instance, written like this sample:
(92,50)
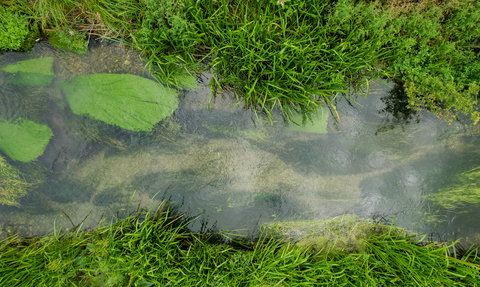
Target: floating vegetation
(316,123)
(128,101)
(24,140)
(12,184)
(34,72)
(464,190)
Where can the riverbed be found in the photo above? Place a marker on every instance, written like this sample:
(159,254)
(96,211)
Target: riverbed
(235,168)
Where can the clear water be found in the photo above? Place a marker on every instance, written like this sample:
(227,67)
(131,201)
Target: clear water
(236,169)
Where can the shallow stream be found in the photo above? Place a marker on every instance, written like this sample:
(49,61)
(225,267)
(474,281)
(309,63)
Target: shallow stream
(237,169)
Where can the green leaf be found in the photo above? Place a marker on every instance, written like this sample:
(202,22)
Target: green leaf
(128,101)
(317,124)
(34,72)
(24,140)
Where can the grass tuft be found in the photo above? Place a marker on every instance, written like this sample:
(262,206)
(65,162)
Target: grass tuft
(155,249)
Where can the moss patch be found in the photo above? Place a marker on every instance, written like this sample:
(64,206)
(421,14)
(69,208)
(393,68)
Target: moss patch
(34,72)
(24,140)
(345,233)
(12,184)
(128,101)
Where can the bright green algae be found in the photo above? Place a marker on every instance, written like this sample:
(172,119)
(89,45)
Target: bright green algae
(128,101)
(34,72)
(24,140)
(317,123)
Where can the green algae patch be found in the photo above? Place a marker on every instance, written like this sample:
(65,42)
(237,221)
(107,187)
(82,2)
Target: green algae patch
(128,101)
(34,72)
(185,81)
(12,184)
(316,124)
(464,190)
(347,233)
(24,140)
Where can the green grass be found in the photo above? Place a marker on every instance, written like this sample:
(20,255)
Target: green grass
(294,56)
(155,249)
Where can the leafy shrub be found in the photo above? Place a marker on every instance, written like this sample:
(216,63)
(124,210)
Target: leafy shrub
(167,38)
(431,48)
(16,32)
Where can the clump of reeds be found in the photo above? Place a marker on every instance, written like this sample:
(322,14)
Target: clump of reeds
(155,249)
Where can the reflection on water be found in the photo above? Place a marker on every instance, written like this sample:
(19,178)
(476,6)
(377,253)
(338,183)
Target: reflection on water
(235,168)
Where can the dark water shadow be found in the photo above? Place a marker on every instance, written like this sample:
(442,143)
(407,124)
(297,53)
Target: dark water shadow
(396,112)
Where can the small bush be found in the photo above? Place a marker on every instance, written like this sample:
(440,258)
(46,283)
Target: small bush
(16,32)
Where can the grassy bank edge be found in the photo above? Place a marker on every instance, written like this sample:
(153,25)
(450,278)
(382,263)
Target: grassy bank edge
(154,248)
(292,55)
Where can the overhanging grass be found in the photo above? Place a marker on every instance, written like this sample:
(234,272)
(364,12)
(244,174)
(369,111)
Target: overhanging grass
(154,249)
(294,55)
(270,55)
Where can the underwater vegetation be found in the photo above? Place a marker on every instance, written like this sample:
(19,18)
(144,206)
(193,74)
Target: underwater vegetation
(464,189)
(347,233)
(128,101)
(70,40)
(34,72)
(316,123)
(12,184)
(24,140)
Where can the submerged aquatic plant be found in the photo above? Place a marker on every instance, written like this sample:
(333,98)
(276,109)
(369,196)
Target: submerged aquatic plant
(316,123)
(69,40)
(24,140)
(34,72)
(346,233)
(128,101)
(464,190)
(12,184)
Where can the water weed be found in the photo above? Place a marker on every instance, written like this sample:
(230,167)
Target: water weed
(12,184)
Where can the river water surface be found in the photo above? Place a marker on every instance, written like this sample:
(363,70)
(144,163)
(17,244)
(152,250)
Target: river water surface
(237,169)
